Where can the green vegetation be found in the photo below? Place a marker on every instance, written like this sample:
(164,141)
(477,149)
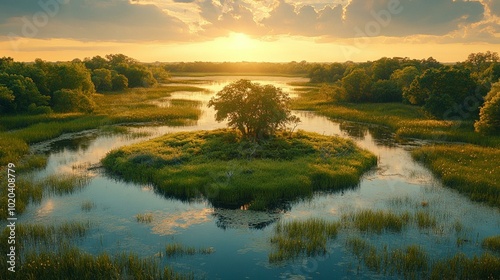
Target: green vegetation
(470,169)
(72,263)
(411,263)
(32,191)
(231,171)
(301,238)
(492,243)
(414,263)
(256,111)
(376,221)
(177,249)
(489,116)
(113,108)
(144,218)
(49,234)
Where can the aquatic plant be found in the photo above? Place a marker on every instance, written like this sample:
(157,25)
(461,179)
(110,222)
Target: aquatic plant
(294,239)
(144,218)
(177,249)
(492,243)
(376,221)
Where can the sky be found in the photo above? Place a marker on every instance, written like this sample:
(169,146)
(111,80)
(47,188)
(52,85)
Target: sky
(259,30)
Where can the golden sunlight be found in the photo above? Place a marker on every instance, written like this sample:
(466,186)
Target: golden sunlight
(240,41)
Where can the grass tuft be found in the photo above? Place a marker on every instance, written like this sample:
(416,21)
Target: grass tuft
(301,238)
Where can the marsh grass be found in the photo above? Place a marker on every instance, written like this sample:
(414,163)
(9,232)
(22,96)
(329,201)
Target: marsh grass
(177,249)
(29,190)
(425,220)
(144,218)
(472,170)
(72,263)
(16,132)
(413,262)
(34,235)
(230,171)
(295,239)
(368,220)
(65,183)
(405,120)
(492,243)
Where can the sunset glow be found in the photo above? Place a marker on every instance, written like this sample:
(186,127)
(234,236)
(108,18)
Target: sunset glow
(270,30)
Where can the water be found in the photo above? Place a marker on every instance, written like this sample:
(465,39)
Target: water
(241,238)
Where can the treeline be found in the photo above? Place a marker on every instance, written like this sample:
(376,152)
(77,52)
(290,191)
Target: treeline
(463,91)
(291,68)
(43,87)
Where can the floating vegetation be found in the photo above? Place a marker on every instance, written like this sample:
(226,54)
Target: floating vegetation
(301,238)
(376,221)
(492,243)
(177,249)
(144,218)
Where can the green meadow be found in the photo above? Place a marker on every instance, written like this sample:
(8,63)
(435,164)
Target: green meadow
(233,172)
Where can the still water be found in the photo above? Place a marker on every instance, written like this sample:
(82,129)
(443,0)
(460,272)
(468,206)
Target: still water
(241,238)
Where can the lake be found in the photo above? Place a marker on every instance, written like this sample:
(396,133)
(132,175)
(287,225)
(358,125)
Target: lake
(240,238)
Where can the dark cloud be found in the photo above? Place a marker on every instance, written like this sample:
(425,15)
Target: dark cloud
(110,20)
(412,17)
(495,7)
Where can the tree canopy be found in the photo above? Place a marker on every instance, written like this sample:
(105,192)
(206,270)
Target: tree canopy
(255,110)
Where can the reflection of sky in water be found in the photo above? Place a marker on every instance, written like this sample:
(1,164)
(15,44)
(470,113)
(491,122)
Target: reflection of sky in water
(240,237)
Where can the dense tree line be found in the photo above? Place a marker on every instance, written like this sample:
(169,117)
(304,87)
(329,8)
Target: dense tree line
(292,68)
(454,92)
(43,87)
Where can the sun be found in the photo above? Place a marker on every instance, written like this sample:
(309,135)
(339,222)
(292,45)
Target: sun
(240,41)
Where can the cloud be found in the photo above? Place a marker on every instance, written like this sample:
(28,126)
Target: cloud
(107,20)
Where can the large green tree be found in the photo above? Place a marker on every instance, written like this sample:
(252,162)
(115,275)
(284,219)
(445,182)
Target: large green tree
(26,94)
(442,90)
(255,110)
(357,86)
(489,116)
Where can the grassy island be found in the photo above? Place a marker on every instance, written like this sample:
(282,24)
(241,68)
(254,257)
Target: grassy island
(231,171)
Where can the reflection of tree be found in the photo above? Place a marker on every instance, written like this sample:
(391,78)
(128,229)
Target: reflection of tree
(73,143)
(354,130)
(238,218)
(381,135)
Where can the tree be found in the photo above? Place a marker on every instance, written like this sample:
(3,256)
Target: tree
(383,68)
(255,110)
(67,75)
(66,100)
(386,91)
(438,90)
(6,100)
(489,115)
(404,77)
(357,86)
(120,82)
(102,79)
(25,93)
